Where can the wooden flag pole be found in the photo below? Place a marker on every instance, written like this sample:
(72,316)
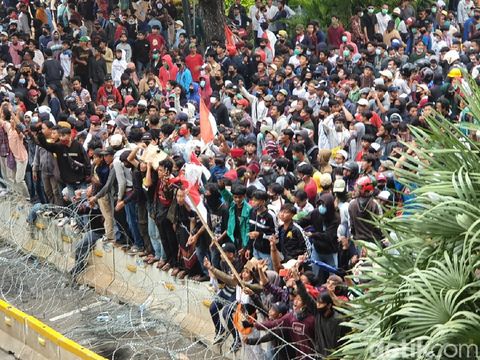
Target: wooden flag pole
(219,247)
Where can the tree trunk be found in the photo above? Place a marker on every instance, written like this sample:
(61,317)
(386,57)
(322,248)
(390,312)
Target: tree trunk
(213,20)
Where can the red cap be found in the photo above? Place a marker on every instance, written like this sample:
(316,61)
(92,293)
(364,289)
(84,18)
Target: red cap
(236,152)
(231,175)
(381,177)
(243,102)
(254,168)
(32,92)
(94,119)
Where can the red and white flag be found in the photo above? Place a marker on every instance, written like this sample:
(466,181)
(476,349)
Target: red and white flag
(193,198)
(229,37)
(208,125)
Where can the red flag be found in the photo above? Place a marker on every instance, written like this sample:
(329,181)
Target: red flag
(208,125)
(194,199)
(229,38)
(194,159)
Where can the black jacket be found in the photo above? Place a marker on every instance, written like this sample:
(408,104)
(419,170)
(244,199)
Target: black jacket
(97,70)
(73,161)
(265,225)
(5,53)
(221,116)
(141,51)
(292,242)
(323,227)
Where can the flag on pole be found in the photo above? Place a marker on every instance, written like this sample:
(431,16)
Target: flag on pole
(229,38)
(194,166)
(193,198)
(208,125)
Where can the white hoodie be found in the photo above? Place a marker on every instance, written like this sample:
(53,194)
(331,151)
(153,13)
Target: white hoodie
(118,68)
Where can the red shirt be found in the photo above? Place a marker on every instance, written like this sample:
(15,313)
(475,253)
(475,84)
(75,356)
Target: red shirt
(311,190)
(194,63)
(103,93)
(334,35)
(157,42)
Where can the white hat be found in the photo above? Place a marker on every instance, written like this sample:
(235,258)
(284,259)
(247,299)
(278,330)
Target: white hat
(273,66)
(451,56)
(115,140)
(44,109)
(343,153)
(375,146)
(339,186)
(142,102)
(384,195)
(387,73)
(172,110)
(111,123)
(179,22)
(397,11)
(290,264)
(362,102)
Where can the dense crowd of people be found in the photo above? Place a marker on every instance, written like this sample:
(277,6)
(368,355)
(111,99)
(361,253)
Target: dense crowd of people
(101,106)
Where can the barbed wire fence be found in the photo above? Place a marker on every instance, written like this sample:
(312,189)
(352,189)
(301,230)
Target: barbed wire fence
(106,324)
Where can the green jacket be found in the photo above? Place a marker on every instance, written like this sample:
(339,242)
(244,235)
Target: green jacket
(244,218)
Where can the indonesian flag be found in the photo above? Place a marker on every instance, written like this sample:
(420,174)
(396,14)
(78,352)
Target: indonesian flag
(229,38)
(193,198)
(208,125)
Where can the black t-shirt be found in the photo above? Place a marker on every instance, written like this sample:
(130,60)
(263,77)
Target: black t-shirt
(369,21)
(237,234)
(83,55)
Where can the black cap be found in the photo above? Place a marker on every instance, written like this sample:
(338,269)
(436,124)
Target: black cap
(229,247)
(280,307)
(147,136)
(108,151)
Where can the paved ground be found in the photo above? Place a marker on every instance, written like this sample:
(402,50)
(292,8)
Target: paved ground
(5,356)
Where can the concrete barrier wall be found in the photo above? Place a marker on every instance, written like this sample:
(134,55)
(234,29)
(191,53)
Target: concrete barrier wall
(29,338)
(110,270)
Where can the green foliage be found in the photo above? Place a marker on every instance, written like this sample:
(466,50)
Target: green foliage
(422,293)
(245,3)
(323,10)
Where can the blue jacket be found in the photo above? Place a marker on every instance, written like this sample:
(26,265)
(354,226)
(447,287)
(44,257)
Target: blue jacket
(184,78)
